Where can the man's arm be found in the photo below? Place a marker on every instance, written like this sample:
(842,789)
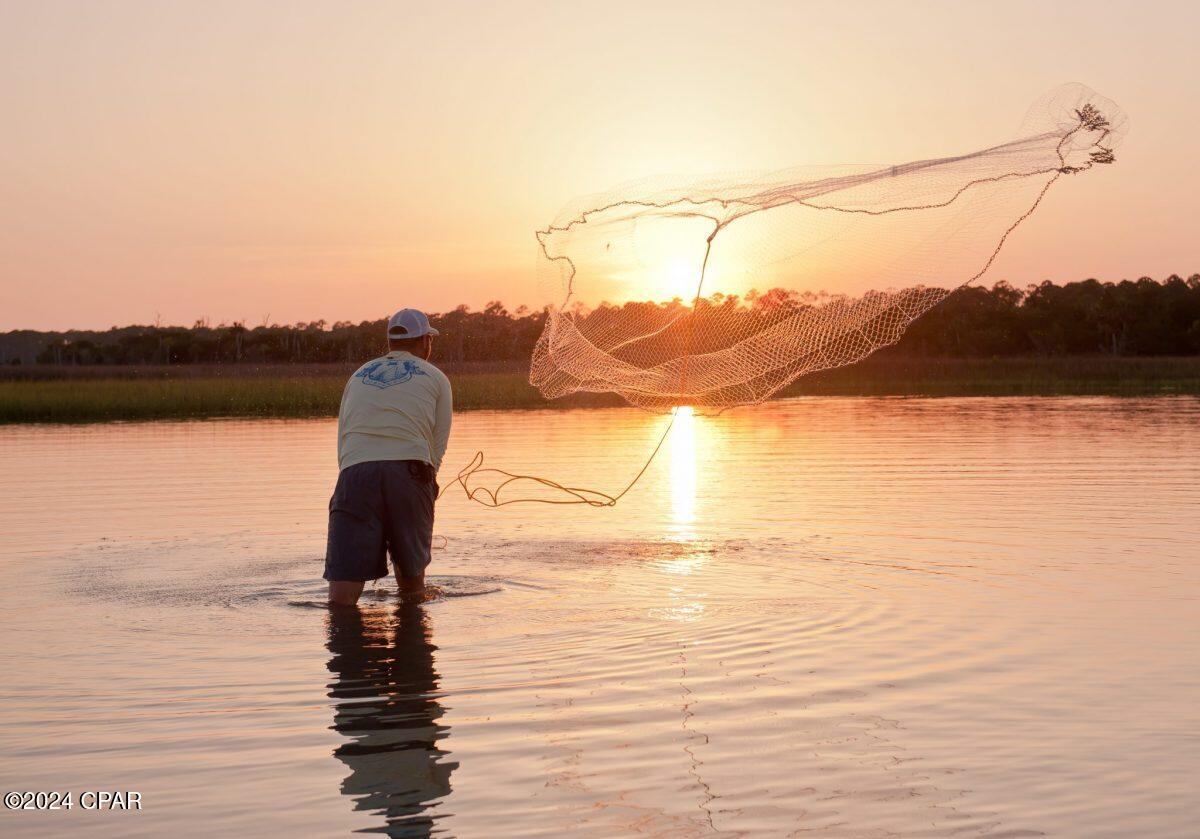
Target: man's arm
(342,420)
(441,429)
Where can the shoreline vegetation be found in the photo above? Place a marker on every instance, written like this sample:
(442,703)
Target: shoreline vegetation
(1130,318)
(1088,338)
(81,394)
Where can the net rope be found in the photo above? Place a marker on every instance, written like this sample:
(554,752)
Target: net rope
(852,255)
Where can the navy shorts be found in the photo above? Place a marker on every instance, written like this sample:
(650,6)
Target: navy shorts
(380,507)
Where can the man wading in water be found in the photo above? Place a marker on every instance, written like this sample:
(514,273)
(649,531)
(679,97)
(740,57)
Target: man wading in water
(393,428)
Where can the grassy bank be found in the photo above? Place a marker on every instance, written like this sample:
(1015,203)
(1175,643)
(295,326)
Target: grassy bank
(101,394)
(1023,376)
(281,395)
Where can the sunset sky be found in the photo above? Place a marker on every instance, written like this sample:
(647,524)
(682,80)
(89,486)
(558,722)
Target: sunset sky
(303,160)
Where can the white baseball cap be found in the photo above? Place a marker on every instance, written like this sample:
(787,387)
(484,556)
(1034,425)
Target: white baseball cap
(409,323)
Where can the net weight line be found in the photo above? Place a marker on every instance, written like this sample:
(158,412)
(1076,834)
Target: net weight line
(576,495)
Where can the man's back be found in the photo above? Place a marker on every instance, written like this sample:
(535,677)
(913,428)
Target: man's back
(396,407)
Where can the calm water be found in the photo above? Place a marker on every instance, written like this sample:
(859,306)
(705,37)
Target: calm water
(858,617)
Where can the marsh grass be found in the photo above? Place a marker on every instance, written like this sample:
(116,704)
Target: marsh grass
(1018,376)
(103,399)
(164,393)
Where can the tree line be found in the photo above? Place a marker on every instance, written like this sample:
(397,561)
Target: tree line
(1131,317)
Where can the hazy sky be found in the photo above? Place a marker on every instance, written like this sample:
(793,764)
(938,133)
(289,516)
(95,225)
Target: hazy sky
(303,160)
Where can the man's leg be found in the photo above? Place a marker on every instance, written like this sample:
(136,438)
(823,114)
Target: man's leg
(355,550)
(409,494)
(410,585)
(344,592)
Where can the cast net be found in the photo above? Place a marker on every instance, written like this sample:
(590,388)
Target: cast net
(721,291)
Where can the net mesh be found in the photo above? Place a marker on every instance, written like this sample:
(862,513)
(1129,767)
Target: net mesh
(721,291)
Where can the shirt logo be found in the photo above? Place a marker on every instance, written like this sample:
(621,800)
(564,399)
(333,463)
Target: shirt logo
(388,372)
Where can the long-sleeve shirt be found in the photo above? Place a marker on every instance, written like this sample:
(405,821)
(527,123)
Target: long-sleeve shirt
(397,407)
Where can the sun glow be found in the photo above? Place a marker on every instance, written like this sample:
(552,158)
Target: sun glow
(677,279)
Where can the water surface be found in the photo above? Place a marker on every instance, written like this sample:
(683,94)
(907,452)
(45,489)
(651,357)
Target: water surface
(817,617)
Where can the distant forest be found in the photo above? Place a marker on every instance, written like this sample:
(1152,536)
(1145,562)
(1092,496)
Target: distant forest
(1142,317)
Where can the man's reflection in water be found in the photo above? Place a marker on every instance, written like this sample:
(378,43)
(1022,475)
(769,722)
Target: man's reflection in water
(382,662)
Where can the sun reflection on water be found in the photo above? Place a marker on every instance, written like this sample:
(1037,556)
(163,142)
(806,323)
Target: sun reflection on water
(683,456)
(684,603)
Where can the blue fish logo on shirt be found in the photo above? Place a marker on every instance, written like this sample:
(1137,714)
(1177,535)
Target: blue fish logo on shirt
(388,372)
